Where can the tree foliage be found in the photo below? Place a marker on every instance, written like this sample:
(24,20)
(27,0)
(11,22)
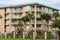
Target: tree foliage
(29,16)
(45,16)
(14,20)
(55,15)
(56,24)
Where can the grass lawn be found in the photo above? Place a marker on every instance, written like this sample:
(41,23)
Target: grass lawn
(20,39)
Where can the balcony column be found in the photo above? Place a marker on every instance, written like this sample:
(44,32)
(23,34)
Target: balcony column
(45,35)
(10,16)
(30,20)
(5,35)
(34,33)
(24,24)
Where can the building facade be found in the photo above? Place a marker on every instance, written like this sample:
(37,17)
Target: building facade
(17,12)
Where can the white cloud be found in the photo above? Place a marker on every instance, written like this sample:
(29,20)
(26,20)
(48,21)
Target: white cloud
(11,2)
(49,1)
(45,2)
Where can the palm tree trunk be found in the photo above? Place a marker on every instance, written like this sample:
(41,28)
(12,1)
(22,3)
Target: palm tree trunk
(5,35)
(14,34)
(23,35)
(45,35)
(33,36)
(30,25)
(46,29)
(57,36)
(24,31)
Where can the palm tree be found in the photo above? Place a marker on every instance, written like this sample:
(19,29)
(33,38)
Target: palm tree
(55,25)
(55,15)
(14,20)
(46,17)
(30,18)
(21,24)
(26,18)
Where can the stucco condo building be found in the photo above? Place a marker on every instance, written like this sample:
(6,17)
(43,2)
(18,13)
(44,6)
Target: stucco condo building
(18,11)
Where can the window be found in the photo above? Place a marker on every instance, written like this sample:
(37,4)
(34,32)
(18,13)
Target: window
(38,25)
(38,15)
(13,29)
(7,10)
(33,8)
(7,19)
(27,24)
(6,15)
(32,12)
(20,14)
(38,19)
(27,8)
(18,9)
(43,9)
(16,15)
(27,12)
(38,8)
(32,25)
(50,11)
(12,10)
(46,9)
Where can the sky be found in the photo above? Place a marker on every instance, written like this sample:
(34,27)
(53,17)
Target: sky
(51,3)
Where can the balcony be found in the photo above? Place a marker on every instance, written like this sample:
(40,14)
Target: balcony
(38,22)
(7,24)
(14,23)
(18,10)
(7,18)
(8,10)
(33,9)
(32,22)
(38,15)
(50,22)
(38,28)
(17,17)
(39,9)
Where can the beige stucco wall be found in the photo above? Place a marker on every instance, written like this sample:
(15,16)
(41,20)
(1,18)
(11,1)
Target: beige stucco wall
(2,21)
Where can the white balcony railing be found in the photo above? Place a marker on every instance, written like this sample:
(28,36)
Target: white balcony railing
(7,17)
(38,22)
(38,16)
(32,22)
(33,9)
(38,28)
(7,22)
(14,22)
(16,16)
(16,10)
(39,9)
